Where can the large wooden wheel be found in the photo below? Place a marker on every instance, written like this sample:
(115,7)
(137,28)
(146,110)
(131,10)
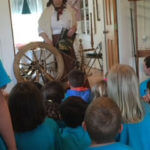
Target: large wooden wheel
(38,61)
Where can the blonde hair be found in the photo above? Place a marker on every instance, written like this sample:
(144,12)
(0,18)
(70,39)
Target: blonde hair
(100,89)
(123,88)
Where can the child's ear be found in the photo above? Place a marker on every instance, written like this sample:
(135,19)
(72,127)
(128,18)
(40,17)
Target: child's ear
(84,125)
(68,83)
(121,128)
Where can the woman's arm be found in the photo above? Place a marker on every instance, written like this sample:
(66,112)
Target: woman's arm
(44,24)
(73,21)
(46,38)
(72,31)
(6,129)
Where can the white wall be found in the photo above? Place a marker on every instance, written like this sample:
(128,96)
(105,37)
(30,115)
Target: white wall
(125,34)
(6,42)
(143,21)
(124,29)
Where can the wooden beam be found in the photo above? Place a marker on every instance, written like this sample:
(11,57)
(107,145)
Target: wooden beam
(143,53)
(135,0)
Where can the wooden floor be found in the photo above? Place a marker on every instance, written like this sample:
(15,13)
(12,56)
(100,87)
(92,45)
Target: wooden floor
(94,76)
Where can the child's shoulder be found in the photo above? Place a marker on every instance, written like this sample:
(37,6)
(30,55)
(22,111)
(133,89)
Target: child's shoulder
(2,144)
(51,123)
(116,146)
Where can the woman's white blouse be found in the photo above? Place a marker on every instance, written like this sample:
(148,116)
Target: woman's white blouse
(63,22)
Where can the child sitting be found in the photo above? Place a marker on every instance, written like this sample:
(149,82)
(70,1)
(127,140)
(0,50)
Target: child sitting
(76,81)
(73,137)
(53,93)
(33,131)
(103,122)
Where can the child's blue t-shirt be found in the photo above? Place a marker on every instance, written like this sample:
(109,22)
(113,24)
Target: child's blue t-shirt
(84,94)
(44,137)
(114,146)
(74,138)
(2,144)
(137,135)
(143,88)
(4,78)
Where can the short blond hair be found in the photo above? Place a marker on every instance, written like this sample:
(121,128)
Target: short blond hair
(123,88)
(99,89)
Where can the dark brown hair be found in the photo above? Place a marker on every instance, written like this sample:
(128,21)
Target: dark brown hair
(26,107)
(53,93)
(51,2)
(147,61)
(73,111)
(103,120)
(76,78)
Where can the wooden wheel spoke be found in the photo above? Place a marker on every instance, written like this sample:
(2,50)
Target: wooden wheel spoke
(48,76)
(41,53)
(34,55)
(24,64)
(44,78)
(48,56)
(27,57)
(37,76)
(51,63)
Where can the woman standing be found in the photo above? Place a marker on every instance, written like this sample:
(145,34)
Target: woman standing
(57,16)
(123,88)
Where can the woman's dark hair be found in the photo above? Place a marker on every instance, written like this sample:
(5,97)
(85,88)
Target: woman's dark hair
(51,2)
(53,91)
(73,111)
(26,107)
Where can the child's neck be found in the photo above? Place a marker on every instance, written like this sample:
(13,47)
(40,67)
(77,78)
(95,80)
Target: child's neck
(94,144)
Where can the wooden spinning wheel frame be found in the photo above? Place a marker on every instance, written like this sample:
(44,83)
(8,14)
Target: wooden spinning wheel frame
(38,61)
(41,62)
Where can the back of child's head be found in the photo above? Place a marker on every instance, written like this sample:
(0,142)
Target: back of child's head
(147,61)
(100,89)
(103,120)
(38,85)
(76,78)
(26,107)
(73,111)
(53,91)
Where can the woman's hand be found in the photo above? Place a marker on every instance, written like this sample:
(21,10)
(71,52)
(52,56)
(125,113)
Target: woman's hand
(71,31)
(46,39)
